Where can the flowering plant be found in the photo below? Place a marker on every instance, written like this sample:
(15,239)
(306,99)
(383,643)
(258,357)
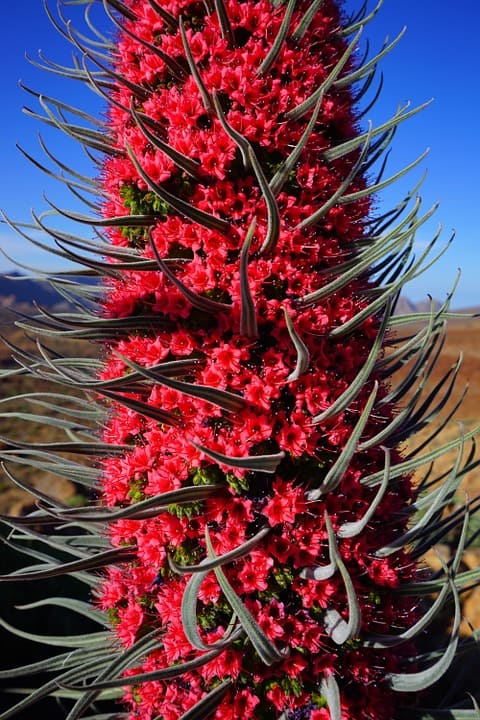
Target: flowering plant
(254,544)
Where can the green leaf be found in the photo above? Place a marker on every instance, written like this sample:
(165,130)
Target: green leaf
(253,463)
(205,565)
(55,662)
(204,304)
(181,206)
(78,606)
(175,68)
(348,146)
(191,167)
(119,663)
(384,641)
(402,468)
(302,108)
(221,398)
(208,704)
(189,618)
(241,142)
(204,94)
(98,560)
(303,356)
(362,22)
(93,641)
(225,25)
(415,682)
(335,626)
(248,316)
(354,528)
(331,693)
(356,386)
(324,572)
(266,649)
(162,674)
(50,688)
(444,493)
(167,17)
(281,176)
(370,66)
(141,510)
(274,51)
(164,417)
(338,469)
(273,213)
(339,192)
(305,21)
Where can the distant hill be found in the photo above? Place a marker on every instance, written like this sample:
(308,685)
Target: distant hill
(17,290)
(405,306)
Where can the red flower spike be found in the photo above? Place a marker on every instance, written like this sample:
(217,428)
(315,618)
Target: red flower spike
(265,562)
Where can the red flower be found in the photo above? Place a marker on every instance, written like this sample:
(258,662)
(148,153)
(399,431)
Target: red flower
(285,504)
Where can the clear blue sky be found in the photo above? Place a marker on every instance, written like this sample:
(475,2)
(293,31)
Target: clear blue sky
(438,58)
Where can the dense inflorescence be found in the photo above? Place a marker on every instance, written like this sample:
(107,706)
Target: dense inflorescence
(259,261)
(254,532)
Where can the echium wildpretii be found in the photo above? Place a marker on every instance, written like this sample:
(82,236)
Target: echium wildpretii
(258,509)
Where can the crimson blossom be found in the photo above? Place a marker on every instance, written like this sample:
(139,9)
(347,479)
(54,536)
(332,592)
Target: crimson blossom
(257,525)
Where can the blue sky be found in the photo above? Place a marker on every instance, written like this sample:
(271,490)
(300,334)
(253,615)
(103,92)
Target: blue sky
(437,58)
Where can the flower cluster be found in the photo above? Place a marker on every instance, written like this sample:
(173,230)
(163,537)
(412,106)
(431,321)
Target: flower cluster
(190,90)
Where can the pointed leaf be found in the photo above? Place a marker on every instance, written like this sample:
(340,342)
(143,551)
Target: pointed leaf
(221,398)
(279,179)
(202,303)
(181,206)
(350,394)
(340,466)
(339,192)
(204,94)
(331,693)
(274,51)
(305,21)
(302,108)
(248,316)
(150,507)
(354,528)
(383,641)
(241,142)
(98,560)
(164,417)
(239,552)
(192,167)
(415,682)
(265,648)
(339,630)
(324,572)
(162,674)
(273,213)
(253,463)
(189,618)
(208,704)
(303,356)
(225,25)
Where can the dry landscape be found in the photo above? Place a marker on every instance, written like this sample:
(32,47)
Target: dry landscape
(463,336)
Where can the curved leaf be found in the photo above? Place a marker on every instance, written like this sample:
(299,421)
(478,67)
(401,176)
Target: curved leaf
(206,706)
(274,51)
(415,682)
(303,356)
(338,469)
(248,316)
(253,463)
(265,648)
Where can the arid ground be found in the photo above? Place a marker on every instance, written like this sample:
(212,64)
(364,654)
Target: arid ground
(463,336)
